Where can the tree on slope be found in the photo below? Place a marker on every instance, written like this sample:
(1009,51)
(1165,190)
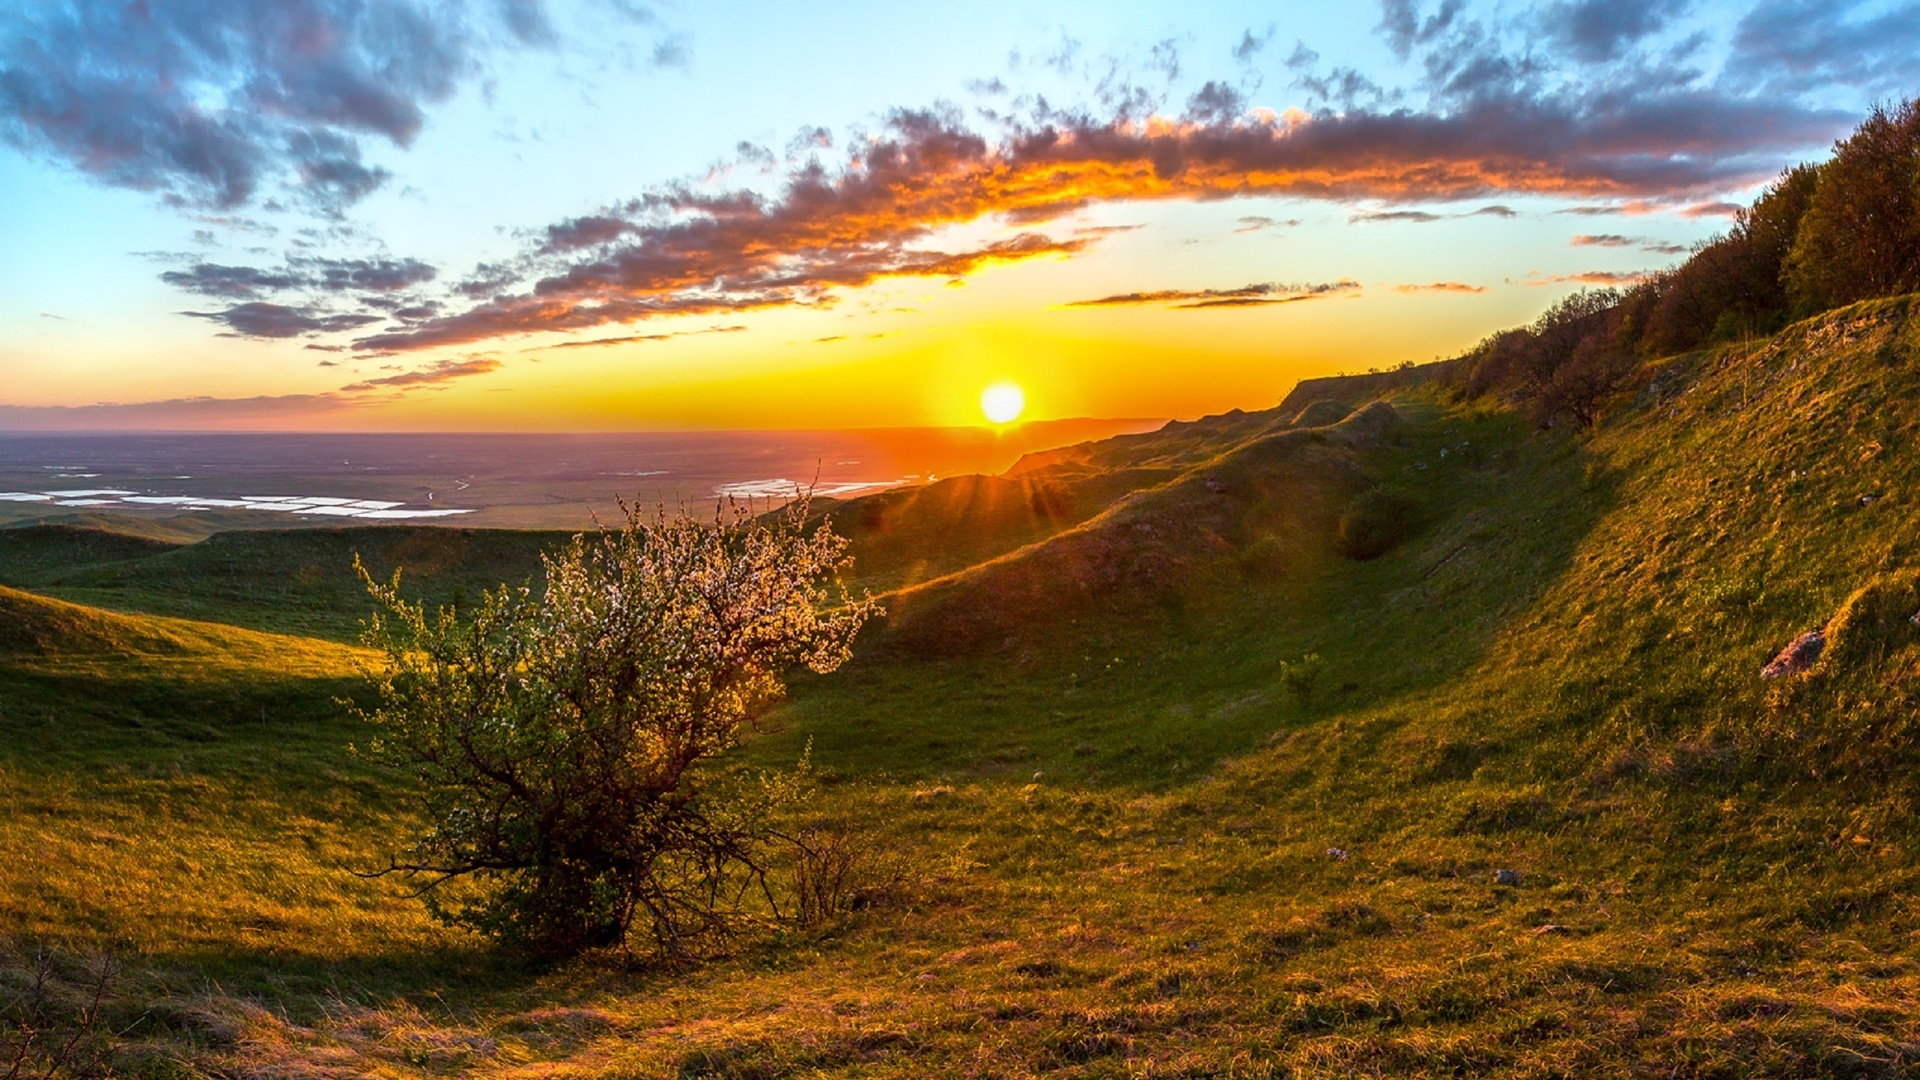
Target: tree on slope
(563,741)
(1860,237)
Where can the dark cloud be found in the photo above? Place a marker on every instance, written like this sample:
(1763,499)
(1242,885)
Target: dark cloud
(1420,216)
(1251,44)
(1215,103)
(1496,210)
(1244,296)
(260,319)
(433,374)
(527,21)
(1712,209)
(1597,31)
(1259,222)
(238,282)
(1164,58)
(331,275)
(1792,46)
(379,275)
(487,279)
(583,232)
(206,101)
(221,103)
(1403,28)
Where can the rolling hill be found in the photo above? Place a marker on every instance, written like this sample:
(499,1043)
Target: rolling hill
(1174,775)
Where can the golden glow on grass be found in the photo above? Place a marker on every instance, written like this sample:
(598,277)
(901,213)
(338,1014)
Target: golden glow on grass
(1003,402)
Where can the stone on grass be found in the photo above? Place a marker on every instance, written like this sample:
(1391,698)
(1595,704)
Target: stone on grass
(1797,657)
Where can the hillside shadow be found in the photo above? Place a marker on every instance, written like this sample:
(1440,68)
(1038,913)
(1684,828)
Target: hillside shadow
(1153,695)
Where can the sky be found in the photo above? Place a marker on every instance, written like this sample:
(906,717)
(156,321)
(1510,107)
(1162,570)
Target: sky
(578,215)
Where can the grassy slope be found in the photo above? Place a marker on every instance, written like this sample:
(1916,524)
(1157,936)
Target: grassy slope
(1120,827)
(288,580)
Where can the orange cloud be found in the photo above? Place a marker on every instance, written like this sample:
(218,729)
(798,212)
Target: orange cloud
(686,251)
(1592,277)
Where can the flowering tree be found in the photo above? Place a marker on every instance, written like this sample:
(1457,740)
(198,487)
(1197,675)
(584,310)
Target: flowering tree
(558,738)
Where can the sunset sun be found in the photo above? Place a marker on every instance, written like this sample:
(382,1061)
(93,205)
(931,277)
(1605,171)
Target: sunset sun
(1002,403)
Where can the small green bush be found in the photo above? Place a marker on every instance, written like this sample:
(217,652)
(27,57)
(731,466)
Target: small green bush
(1265,555)
(1301,676)
(1376,522)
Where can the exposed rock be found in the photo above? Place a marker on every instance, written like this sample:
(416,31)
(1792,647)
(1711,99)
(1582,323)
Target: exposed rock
(1506,877)
(1797,657)
(1337,854)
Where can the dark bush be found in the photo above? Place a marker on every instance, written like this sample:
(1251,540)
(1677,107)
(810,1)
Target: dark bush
(1377,521)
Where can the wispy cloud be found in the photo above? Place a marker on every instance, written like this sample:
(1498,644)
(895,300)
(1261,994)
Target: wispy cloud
(1260,223)
(1441,287)
(637,339)
(1244,296)
(441,372)
(1616,240)
(1419,216)
(1590,277)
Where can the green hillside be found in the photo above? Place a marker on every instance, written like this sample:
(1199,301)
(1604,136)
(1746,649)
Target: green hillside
(289,580)
(1419,740)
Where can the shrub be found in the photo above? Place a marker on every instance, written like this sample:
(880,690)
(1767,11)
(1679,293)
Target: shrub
(1376,522)
(562,742)
(1581,387)
(1301,676)
(1264,555)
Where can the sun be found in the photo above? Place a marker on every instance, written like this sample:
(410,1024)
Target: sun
(1003,402)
